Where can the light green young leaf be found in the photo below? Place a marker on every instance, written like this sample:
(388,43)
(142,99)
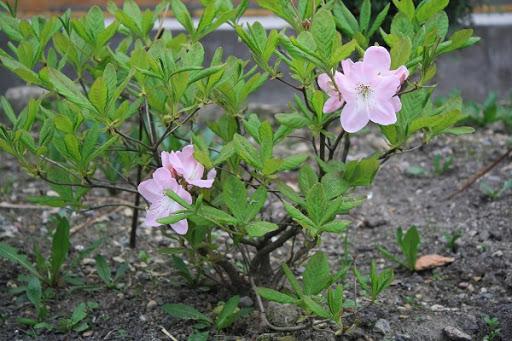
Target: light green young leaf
(185,312)
(317,275)
(260,228)
(275,296)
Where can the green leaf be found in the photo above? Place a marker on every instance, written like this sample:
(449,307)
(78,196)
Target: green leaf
(409,244)
(79,313)
(185,312)
(335,302)
(260,228)
(174,218)
(234,195)
(229,313)
(315,307)
(361,172)
(336,226)
(246,151)
(298,216)
(98,94)
(307,178)
(67,88)
(316,202)
(60,246)
(293,161)
(182,15)
(345,20)
(292,120)
(266,141)
(365,15)
(217,216)
(275,296)
(34,291)
(317,275)
(400,51)
(428,8)
(103,270)
(406,7)
(12,254)
(292,280)
(323,29)
(378,21)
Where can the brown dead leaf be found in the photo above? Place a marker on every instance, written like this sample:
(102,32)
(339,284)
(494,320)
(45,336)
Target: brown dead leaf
(432,261)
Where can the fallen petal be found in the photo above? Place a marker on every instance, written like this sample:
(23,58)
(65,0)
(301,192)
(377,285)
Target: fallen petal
(432,261)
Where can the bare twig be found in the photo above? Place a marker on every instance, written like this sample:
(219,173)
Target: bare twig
(480,173)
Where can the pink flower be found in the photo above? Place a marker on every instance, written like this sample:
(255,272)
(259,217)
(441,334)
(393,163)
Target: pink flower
(182,163)
(369,88)
(161,206)
(335,100)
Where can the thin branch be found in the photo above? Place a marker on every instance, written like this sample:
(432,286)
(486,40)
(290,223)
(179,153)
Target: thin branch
(170,129)
(263,316)
(289,84)
(480,173)
(88,185)
(332,149)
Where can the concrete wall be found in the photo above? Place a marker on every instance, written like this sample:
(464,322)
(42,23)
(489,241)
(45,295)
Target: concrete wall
(474,71)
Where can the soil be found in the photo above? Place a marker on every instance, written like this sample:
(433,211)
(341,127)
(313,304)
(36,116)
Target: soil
(417,306)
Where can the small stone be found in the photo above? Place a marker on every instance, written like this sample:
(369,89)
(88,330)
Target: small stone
(455,334)
(246,301)
(282,315)
(463,285)
(382,326)
(402,337)
(88,261)
(88,333)
(498,253)
(142,318)
(151,304)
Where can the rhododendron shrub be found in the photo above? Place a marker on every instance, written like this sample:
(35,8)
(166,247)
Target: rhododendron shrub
(244,198)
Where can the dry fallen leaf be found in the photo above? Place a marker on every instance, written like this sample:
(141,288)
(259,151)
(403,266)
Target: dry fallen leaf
(432,261)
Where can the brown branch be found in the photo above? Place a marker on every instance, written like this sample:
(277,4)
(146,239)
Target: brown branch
(480,173)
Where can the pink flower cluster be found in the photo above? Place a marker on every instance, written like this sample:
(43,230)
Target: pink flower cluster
(179,172)
(368,88)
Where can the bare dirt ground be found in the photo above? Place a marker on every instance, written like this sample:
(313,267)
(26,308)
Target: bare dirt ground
(420,306)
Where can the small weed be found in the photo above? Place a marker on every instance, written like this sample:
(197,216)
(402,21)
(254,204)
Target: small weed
(442,165)
(495,193)
(451,240)
(408,243)
(493,328)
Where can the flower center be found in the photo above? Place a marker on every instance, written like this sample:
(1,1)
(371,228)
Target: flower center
(364,90)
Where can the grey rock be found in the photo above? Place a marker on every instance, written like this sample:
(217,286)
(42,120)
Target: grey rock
(382,326)
(246,301)
(456,334)
(19,96)
(402,337)
(282,314)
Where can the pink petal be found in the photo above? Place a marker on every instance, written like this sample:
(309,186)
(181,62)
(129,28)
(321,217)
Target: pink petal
(211,174)
(348,88)
(347,66)
(402,73)
(383,113)
(160,209)
(353,117)
(181,227)
(397,104)
(386,87)
(201,183)
(164,178)
(325,83)
(150,190)
(332,104)
(377,58)
(164,156)
(183,194)
(337,79)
